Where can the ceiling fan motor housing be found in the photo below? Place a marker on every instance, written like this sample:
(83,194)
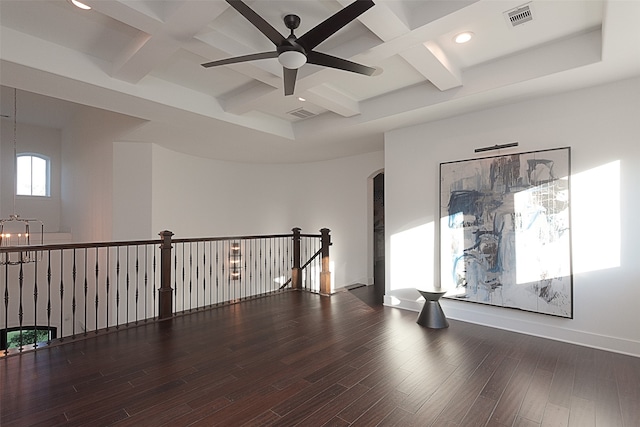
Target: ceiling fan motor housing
(293,52)
(292,22)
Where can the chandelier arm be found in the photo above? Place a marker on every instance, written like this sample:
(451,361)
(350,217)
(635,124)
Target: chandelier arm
(15,149)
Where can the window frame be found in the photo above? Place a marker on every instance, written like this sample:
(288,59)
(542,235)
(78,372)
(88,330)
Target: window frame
(47,183)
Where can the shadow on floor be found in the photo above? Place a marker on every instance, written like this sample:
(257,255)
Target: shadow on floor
(367,294)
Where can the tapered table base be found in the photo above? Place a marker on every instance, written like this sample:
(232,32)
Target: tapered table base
(432,315)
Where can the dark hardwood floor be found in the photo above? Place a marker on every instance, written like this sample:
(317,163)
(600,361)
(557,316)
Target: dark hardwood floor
(300,359)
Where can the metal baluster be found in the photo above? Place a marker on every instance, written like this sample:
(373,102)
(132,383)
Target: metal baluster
(86,288)
(217,274)
(97,287)
(263,269)
(204,275)
(285,261)
(155,284)
(107,287)
(228,275)
(35,303)
(183,281)
(318,262)
(6,297)
(117,287)
(198,276)
(240,281)
(247,291)
(277,263)
(127,289)
(271,261)
(137,294)
(20,284)
(146,281)
(305,257)
(196,258)
(252,244)
(310,253)
(290,256)
(73,296)
(243,268)
(310,267)
(49,296)
(175,280)
(304,249)
(281,243)
(316,243)
(61,295)
(210,273)
(190,276)
(237,266)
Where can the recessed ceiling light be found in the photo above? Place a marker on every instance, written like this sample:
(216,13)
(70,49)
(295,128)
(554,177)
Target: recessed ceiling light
(80,5)
(463,37)
(301,99)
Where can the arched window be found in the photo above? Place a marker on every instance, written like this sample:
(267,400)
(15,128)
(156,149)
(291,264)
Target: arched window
(32,175)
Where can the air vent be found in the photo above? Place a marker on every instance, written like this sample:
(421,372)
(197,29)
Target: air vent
(519,15)
(301,113)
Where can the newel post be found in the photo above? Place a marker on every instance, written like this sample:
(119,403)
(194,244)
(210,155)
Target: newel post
(165,293)
(325,274)
(296,273)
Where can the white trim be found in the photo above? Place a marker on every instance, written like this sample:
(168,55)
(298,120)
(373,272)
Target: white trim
(482,315)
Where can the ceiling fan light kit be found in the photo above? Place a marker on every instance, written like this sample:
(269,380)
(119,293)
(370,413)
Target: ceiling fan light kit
(293,52)
(80,5)
(292,59)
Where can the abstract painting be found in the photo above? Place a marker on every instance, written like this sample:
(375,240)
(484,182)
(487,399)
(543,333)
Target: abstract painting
(505,235)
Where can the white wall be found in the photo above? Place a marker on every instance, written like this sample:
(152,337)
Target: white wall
(131,205)
(602,127)
(88,171)
(30,139)
(197,197)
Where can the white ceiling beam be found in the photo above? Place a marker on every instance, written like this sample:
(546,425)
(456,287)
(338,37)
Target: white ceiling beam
(142,57)
(381,20)
(124,13)
(158,42)
(333,100)
(244,100)
(429,60)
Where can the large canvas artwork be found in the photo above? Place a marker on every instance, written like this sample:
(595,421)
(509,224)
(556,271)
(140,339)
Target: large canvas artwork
(505,231)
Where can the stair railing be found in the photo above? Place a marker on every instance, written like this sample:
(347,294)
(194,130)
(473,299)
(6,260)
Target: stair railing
(82,289)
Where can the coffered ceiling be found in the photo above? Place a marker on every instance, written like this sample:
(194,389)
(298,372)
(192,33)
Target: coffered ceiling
(143,58)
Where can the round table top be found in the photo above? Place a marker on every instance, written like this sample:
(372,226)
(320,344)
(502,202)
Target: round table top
(432,295)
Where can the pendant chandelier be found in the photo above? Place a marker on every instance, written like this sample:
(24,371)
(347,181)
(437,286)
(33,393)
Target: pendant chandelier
(15,231)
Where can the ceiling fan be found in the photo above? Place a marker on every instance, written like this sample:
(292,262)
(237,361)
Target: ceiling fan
(293,52)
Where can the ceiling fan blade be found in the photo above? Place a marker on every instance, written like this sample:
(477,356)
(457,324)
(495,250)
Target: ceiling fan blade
(243,58)
(331,61)
(257,21)
(331,25)
(289,80)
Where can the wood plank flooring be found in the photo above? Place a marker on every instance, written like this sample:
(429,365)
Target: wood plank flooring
(300,359)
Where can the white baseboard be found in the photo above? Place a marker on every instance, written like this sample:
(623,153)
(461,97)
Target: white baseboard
(553,328)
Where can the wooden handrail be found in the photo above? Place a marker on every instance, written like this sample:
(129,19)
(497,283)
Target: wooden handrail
(156,267)
(64,246)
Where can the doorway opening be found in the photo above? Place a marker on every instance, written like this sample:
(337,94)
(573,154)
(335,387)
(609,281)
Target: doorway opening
(378,237)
